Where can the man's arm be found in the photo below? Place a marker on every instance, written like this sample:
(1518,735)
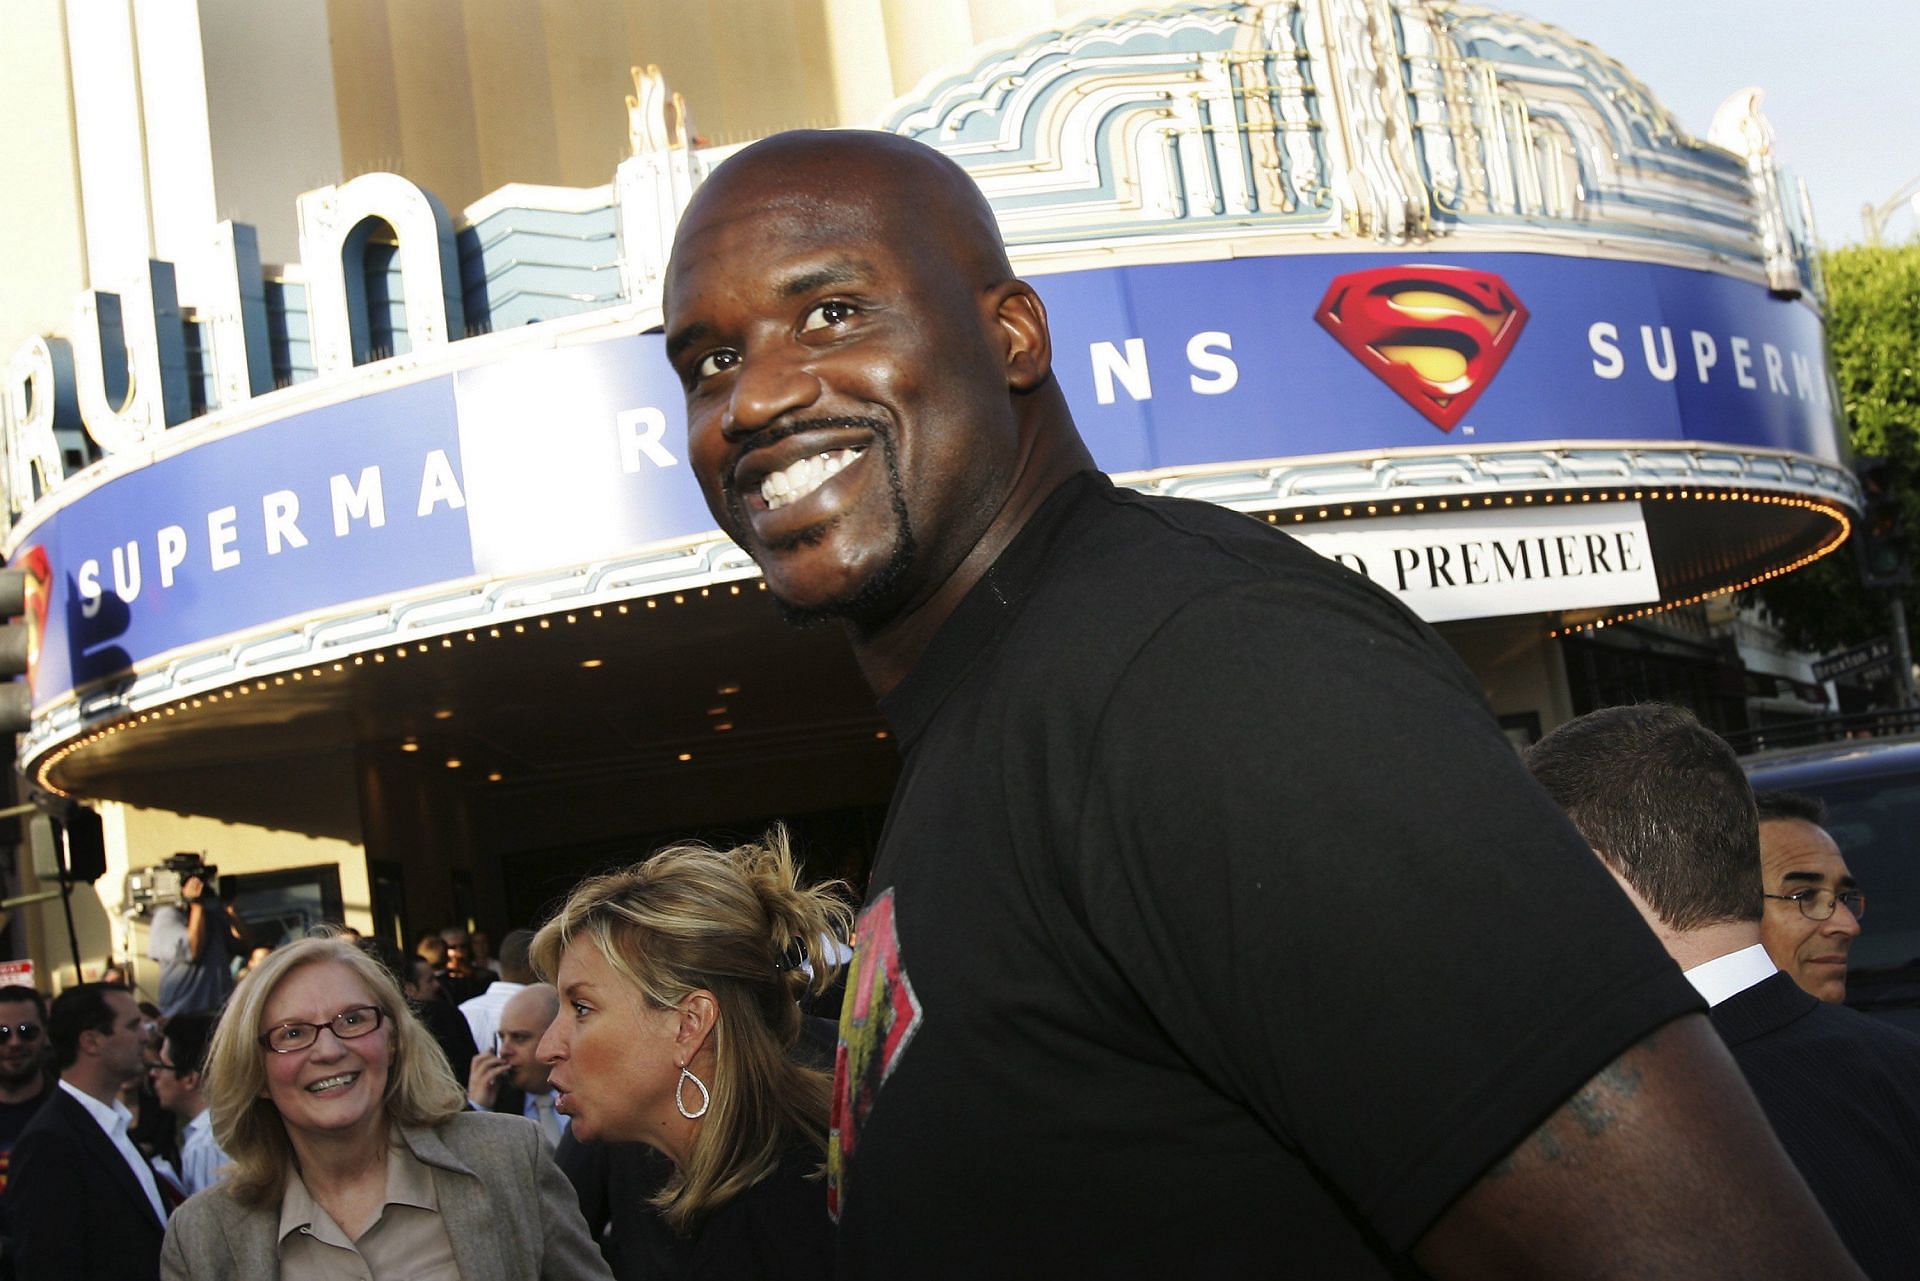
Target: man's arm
(1662,1165)
(1487,962)
(237,937)
(199,928)
(484,1075)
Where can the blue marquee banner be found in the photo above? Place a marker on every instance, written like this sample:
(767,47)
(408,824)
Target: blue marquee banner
(561,456)
(1194,363)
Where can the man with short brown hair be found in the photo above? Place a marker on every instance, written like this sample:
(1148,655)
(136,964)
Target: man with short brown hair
(179,1083)
(1664,803)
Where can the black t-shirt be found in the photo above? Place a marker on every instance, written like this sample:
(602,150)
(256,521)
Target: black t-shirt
(1216,930)
(778,1228)
(13,1119)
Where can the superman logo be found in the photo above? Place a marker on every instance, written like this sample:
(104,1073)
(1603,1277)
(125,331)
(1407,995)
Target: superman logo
(34,602)
(879,1018)
(1436,335)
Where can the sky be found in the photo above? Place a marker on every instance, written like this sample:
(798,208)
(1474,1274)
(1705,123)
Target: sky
(1842,82)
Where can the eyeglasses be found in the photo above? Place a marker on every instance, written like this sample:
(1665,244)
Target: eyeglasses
(1819,904)
(164,1066)
(27,1032)
(290,1038)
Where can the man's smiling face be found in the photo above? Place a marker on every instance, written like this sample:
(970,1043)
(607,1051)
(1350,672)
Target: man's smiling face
(1797,856)
(848,412)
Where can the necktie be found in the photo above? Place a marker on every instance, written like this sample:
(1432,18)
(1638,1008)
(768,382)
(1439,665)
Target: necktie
(548,1119)
(173,1189)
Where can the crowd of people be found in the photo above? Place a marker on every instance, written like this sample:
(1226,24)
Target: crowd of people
(1216,929)
(658,1109)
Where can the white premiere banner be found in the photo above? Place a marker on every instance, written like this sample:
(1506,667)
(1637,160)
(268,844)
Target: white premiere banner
(1488,563)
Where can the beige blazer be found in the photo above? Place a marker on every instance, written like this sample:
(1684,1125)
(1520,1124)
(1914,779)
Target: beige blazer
(510,1213)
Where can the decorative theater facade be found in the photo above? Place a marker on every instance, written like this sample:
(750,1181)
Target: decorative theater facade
(378,575)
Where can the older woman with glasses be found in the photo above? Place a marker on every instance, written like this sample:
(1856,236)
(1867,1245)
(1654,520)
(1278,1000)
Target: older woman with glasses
(352,1152)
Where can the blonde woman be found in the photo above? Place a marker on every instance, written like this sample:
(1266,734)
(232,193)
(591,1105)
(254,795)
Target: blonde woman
(680,982)
(352,1151)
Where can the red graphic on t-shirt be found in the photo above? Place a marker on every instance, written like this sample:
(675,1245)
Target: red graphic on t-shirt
(879,1018)
(1436,335)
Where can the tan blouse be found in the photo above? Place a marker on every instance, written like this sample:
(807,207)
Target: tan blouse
(407,1240)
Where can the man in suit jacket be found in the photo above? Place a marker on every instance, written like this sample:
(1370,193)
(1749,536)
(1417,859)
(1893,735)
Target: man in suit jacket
(1665,805)
(84,1203)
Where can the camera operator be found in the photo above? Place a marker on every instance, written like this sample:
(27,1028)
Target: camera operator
(193,943)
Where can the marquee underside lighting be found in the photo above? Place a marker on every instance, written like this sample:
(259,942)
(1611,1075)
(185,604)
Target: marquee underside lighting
(1707,542)
(44,769)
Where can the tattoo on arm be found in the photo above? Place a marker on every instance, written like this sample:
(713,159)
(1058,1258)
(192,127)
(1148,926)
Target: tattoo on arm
(1590,1113)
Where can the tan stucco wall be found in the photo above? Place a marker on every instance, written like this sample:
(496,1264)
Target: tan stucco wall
(138,837)
(460,96)
(40,222)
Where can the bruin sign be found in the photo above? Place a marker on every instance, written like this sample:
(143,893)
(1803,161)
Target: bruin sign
(124,376)
(1437,335)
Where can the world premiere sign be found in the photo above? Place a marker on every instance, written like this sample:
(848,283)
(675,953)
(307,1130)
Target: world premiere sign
(1495,563)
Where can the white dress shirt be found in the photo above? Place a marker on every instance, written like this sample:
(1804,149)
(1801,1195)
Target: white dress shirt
(1732,974)
(200,1157)
(483,1012)
(114,1122)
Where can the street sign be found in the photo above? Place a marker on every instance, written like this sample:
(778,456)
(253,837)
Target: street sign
(1882,671)
(1855,660)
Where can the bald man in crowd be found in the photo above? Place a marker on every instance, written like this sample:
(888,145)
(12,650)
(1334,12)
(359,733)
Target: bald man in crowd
(1156,757)
(512,1078)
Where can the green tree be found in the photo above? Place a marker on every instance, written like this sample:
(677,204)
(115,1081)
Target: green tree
(1873,330)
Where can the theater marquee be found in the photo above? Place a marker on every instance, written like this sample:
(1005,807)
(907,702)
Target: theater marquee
(487,468)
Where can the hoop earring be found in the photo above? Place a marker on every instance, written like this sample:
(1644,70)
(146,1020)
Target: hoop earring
(706,1099)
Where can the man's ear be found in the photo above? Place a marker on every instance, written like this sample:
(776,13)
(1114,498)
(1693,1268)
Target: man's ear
(698,1013)
(1021,320)
(190,1081)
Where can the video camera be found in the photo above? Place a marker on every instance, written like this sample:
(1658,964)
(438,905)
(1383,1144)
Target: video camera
(159,885)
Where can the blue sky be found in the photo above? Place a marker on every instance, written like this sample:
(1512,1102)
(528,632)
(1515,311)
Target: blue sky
(1842,81)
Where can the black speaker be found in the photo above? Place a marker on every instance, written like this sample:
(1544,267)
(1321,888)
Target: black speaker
(86,844)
